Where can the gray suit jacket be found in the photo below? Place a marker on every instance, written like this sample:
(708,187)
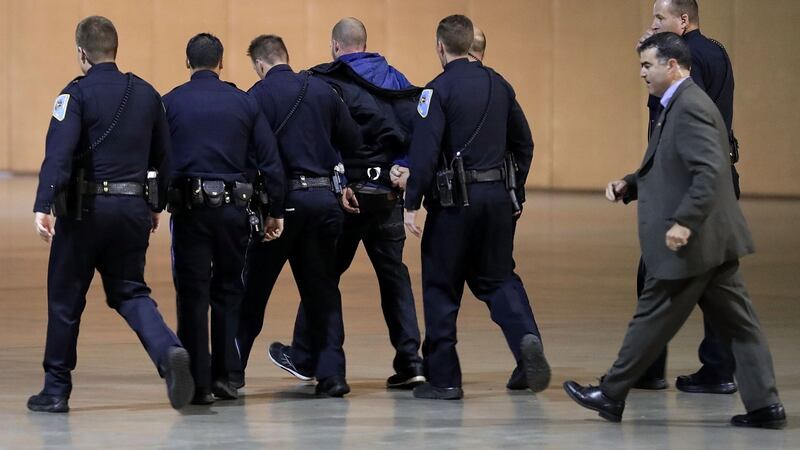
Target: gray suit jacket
(685,177)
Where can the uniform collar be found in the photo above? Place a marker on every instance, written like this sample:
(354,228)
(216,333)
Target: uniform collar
(692,34)
(200,74)
(279,68)
(103,67)
(460,62)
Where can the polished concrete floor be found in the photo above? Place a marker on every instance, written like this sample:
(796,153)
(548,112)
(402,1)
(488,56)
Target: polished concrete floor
(577,255)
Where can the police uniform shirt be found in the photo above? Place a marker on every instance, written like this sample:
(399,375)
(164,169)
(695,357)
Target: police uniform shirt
(449,111)
(319,129)
(214,126)
(82,113)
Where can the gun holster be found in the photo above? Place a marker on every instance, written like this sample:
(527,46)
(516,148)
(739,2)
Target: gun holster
(68,202)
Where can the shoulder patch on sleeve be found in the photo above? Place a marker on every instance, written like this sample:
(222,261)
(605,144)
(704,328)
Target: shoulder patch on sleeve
(424,102)
(60,107)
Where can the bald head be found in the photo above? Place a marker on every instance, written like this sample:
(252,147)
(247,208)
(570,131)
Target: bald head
(349,35)
(478,47)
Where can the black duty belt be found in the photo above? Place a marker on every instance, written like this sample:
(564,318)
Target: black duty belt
(114,188)
(483,176)
(304,183)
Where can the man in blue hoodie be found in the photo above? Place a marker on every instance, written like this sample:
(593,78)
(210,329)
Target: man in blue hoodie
(383,103)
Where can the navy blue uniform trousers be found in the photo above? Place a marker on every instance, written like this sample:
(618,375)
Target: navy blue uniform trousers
(473,245)
(313,222)
(112,238)
(380,226)
(208,250)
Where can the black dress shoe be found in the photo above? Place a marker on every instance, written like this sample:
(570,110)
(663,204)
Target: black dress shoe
(517,380)
(178,376)
(48,403)
(429,391)
(772,417)
(223,390)
(335,386)
(280,355)
(534,364)
(407,379)
(591,397)
(651,384)
(699,383)
(202,397)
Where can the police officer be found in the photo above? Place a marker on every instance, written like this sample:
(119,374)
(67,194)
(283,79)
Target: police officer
(712,72)
(517,381)
(107,131)
(213,125)
(382,101)
(468,120)
(311,123)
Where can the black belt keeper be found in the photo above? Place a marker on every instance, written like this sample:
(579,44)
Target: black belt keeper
(305,183)
(483,176)
(113,188)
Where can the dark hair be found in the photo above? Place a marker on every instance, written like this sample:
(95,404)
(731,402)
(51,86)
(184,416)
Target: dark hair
(268,48)
(204,51)
(350,33)
(97,37)
(668,46)
(456,33)
(688,7)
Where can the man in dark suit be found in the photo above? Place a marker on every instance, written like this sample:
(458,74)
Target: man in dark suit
(692,234)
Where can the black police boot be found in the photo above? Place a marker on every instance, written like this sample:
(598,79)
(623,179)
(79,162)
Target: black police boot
(236,379)
(48,403)
(537,370)
(427,390)
(178,376)
(202,396)
(223,390)
(279,354)
(591,397)
(517,380)
(651,384)
(407,379)
(335,386)
(701,382)
(772,417)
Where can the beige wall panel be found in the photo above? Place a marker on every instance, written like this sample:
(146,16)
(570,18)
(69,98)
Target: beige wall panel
(134,24)
(412,35)
(42,60)
(250,18)
(5,110)
(598,100)
(520,47)
(175,22)
(323,15)
(766,115)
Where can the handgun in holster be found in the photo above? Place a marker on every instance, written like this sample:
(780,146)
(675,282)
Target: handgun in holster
(257,211)
(510,169)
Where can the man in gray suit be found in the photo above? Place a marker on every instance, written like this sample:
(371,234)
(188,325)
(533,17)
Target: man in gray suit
(692,234)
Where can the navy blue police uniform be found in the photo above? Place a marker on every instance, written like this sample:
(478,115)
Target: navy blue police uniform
(713,72)
(309,144)
(217,130)
(113,230)
(383,106)
(471,244)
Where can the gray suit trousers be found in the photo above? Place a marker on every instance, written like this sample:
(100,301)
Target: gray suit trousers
(664,306)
